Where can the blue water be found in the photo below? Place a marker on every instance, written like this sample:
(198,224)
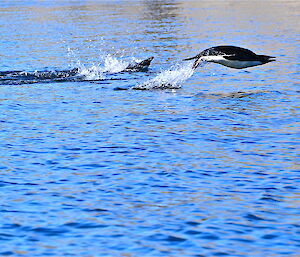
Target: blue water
(198,164)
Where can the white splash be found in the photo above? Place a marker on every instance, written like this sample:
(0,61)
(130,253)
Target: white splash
(92,73)
(168,79)
(111,65)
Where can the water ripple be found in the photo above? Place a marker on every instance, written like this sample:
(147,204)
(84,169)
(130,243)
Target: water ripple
(207,165)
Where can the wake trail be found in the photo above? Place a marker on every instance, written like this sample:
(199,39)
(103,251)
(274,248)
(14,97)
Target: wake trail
(95,72)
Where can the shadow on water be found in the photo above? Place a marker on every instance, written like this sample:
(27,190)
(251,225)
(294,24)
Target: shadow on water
(237,95)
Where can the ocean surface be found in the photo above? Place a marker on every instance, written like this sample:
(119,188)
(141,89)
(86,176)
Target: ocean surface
(97,161)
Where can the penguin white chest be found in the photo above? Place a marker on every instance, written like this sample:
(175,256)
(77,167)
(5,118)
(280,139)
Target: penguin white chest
(230,63)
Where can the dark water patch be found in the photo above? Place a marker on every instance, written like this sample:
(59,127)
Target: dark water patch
(193,232)
(85,225)
(11,226)
(243,240)
(248,227)
(4,236)
(14,211)
(48,231)
(7,253)
(95,210)
(290,187)
(175,239)
(92,166)
(269,236)
(253,217)
(269,199)
(168,238)
(221,254)
(241,95)
(208,236)
(193,223)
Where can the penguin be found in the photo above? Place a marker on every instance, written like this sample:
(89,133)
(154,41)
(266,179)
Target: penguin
(231,56)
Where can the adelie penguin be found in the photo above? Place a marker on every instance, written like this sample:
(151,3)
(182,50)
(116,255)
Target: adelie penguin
(231,56)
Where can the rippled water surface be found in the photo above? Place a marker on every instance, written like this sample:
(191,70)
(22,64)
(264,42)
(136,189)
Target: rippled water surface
(202,163)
